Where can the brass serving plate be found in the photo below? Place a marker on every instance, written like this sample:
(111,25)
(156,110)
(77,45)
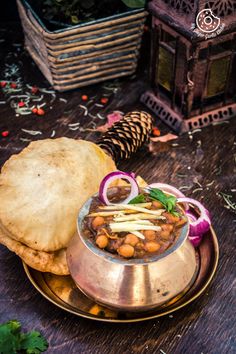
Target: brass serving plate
(62,291)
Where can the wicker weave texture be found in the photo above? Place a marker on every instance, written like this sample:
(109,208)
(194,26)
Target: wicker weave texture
(84,55)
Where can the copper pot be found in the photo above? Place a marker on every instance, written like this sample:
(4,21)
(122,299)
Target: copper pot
(135,284)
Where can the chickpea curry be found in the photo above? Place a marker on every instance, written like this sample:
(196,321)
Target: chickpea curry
(144,227)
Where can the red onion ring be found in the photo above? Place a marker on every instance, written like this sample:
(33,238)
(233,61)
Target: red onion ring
(200,225)
(195,240)
(108,179)
(169,189)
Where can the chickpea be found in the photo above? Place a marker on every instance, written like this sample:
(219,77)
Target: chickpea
(139,246)
(97,221)
(152,246)
(171,218)
(149,235)
(167,227)
(157,205)
(131,239)
(126,251)
(165,234)
(181,222)
(102,241)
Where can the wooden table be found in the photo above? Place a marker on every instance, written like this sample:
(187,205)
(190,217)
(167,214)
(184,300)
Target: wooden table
(203,164)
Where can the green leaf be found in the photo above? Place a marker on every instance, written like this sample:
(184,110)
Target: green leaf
(33,343)
(134,3)
(10,337)
(13,341)
(139,199)
(168,201)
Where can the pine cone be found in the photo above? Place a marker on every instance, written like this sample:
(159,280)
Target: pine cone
(127,136)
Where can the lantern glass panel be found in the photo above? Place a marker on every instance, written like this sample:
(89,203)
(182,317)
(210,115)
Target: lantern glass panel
(165,68)
(218,76)
(221,47)
(168,39)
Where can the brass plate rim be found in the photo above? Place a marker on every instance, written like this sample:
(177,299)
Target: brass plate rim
(138,319)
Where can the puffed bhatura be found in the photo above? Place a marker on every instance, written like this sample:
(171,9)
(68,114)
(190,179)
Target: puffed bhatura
(41,191)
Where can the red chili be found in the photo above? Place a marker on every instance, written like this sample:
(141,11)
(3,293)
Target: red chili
(34,89)
(21,104)
(104,100)
(156,131)
(5,133)
(13,85)
(40,112)
(84,98)
(3,83)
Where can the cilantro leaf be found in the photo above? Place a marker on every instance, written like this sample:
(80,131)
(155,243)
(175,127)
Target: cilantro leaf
(10,337)
(139,199)
(168,201)
(33,343)
(13,341)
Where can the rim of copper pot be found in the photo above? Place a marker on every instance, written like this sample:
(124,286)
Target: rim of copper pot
(113,257)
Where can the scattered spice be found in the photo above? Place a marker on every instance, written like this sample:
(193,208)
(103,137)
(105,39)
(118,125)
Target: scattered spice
(34,89)
(74,124)
(63,100)
(100,116)
(156,132)
(35,110)
(74,128)
(5,133)
(197,190)
(183,188)
(210,184)
(104,100)
(47,91)
(32,132)
(84,98)
(25,140)
(196,131)
(84,108)
(40,112)
(229,203)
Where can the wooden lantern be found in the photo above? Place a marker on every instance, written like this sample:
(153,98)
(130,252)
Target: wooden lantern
(193,62)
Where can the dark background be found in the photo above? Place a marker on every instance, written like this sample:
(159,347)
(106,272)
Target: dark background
(8,11)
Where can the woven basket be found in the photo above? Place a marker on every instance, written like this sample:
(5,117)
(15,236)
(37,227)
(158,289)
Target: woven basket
(84,54)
